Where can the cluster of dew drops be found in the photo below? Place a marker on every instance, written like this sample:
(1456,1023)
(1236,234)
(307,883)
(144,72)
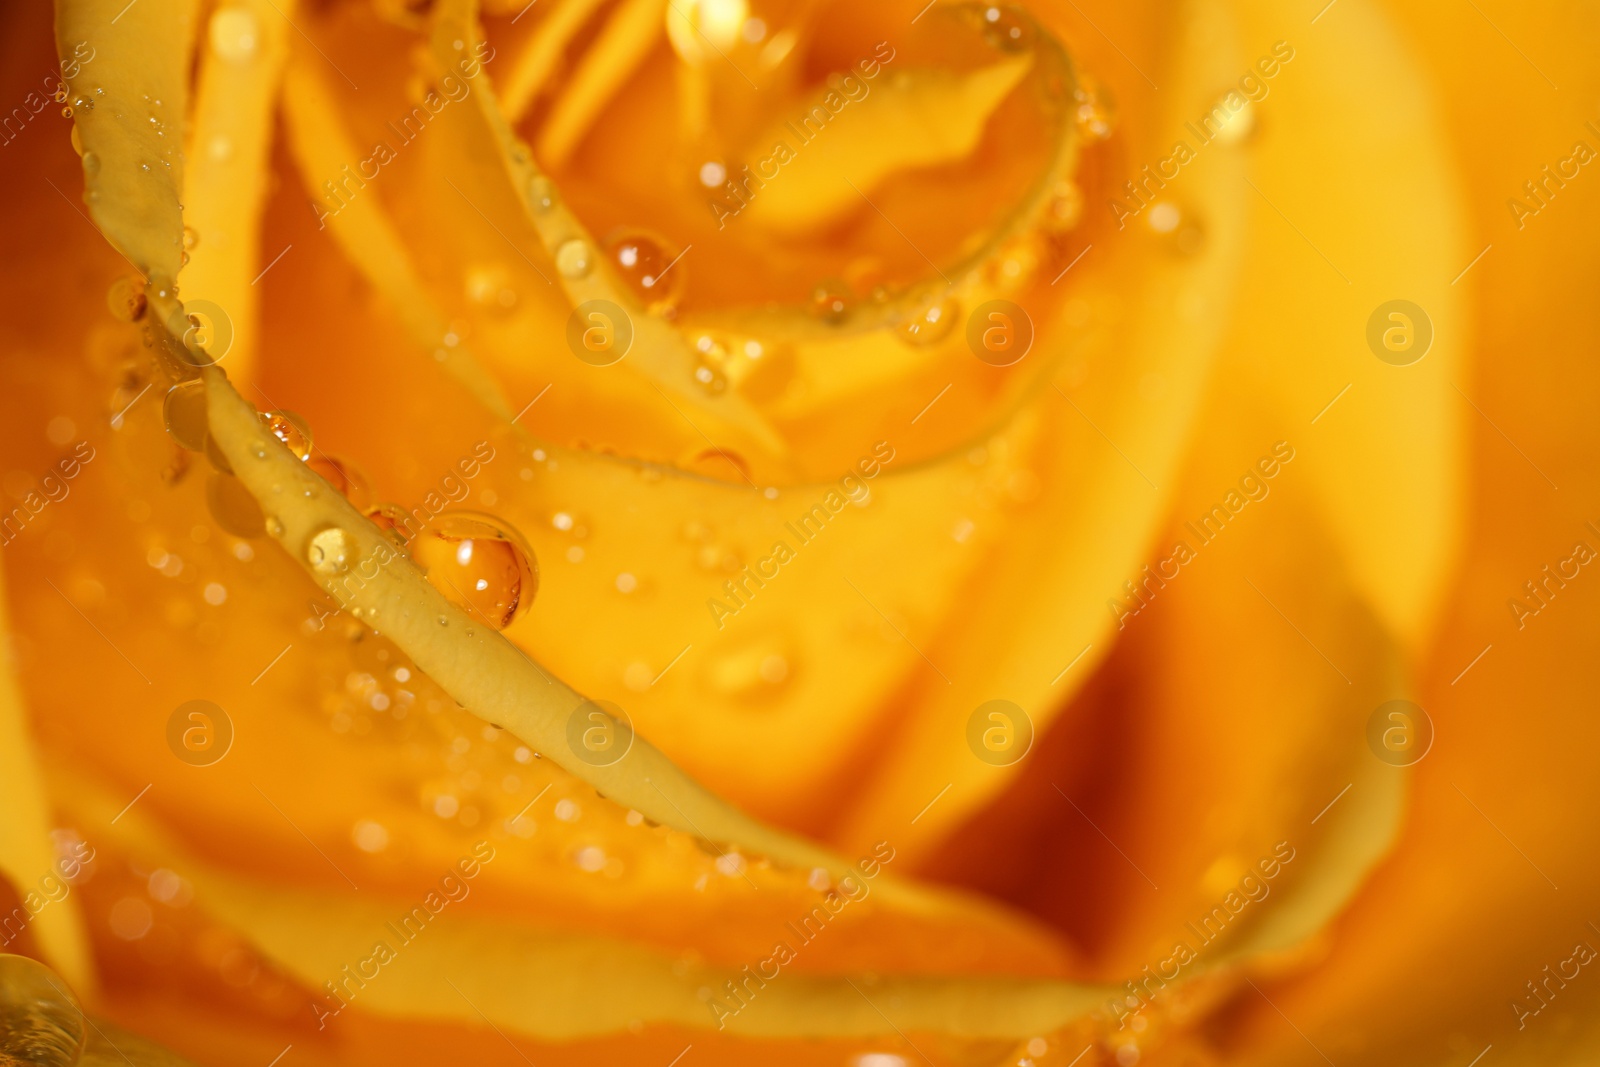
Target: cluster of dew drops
(478,562)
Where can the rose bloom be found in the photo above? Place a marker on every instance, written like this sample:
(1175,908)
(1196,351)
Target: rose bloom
(761,531)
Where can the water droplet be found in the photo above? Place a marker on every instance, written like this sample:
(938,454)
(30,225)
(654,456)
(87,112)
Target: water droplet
(329,549)
(235,35)
(184,410)
(932,323)
(41,1024)
(479,563)
(91,161)
(709,377)
(291,429)
(191,238)
(750,669)
(235,510)
(77,142)
(488,285)
(1008,28)
(831,301)
(274,526)
(1064,210)
(126,299)
(649,266)
(541,193)
(573,259)
(345,477)
(1095,111)
(723,464)
(393,521)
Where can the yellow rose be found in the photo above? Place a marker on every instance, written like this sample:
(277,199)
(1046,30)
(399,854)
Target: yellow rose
(698,531)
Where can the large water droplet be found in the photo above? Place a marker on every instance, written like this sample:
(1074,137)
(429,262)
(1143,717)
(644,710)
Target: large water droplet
(291,429)
(479,563)
(41,1024)
(231,504)
(185,413)
(329,550)
(126,299)
(649,266)
(345,477)
(574,259)
(393,521)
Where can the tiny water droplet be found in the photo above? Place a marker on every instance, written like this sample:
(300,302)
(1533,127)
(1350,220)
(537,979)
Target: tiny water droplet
(541,193)
(573,259)
(932,323)
(1008,28)
(479,563)
(831,301)
(1095,110)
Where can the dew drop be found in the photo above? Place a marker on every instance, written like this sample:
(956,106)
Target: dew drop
(573,259)
(184,411)
(191,238)
(479,563)
(1095,112)
(1064,210)
(931,324)
(831,301)
(1008,29)
(393,521)
(91,161)
(41,1024)
(126,299)
(345,477)
(291,429)
(235,35)
(231,504)
(541,193)
(649,266)
(722,464)
(329,549)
